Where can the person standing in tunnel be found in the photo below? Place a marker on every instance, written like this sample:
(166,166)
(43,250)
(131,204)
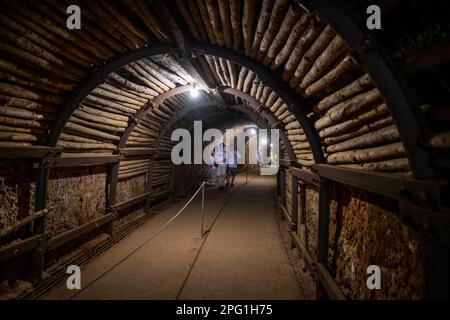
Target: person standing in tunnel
(220,159)
(232,166)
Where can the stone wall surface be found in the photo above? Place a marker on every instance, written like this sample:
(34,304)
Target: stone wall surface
(17,190)
(365,230)
(130,188)
(75,197)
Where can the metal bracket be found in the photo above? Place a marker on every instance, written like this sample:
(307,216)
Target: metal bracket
(133,119)
(121,153)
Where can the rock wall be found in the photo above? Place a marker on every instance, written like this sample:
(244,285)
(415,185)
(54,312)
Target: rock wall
(130,188)
(365,230)
(17,190)
(75,197)
(311,218)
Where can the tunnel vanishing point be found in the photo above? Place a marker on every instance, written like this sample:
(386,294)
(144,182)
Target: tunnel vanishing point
(86,176)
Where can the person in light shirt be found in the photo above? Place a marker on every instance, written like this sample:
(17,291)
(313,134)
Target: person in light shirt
(220,158)
(232,167)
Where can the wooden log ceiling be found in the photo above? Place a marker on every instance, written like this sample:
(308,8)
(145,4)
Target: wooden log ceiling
(42,63)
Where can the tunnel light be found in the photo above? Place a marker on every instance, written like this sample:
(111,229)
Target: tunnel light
(271,145)
(194,93)
(263,141)
(252,131)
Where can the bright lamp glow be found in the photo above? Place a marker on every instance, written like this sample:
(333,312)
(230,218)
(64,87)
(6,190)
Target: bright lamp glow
(194,93)
(263,141)
(252,131)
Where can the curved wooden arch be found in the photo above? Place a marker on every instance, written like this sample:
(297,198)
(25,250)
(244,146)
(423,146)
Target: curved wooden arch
(147,108)
(94,80)
(263,118)
(275,83)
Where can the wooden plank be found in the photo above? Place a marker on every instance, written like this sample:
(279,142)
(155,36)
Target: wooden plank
(31,152)
(305,176)
(330,286)
(285,163)
(14,250)
(71,235)
(79,160)
(284,211)
(325,278)
(160,195)
(132,152)
(23,222)
(310,263)
(429,221)
(132,202)
(388,185)
(294,202)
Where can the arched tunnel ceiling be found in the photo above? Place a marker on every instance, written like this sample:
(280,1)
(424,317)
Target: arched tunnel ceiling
(298,67)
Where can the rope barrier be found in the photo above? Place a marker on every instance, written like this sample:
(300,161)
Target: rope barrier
(202,233)
(202,187)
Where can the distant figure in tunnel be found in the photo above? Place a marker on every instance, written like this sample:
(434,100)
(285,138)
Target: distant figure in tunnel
(232,166)
(220,158)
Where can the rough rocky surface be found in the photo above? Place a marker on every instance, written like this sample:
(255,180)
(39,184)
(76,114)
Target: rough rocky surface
(17,189)
(130,188)
(312,209)
(364,231)
(75,197)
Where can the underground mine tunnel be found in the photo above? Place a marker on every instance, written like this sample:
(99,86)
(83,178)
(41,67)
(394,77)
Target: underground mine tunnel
(94,93)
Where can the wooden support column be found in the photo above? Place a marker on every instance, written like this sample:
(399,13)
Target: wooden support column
(322,234)
(149,184)
(294,203)
(323,221)
(37,259)
(302,215)
(283,186)
(112,181)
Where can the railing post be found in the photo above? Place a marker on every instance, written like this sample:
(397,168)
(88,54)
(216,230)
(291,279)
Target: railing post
(283,187)
(294,203)
(302,215)
(37,263)
(323,221)
(112,181)
(322,233)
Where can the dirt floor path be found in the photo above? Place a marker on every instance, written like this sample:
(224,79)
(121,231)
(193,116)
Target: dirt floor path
(242,257)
